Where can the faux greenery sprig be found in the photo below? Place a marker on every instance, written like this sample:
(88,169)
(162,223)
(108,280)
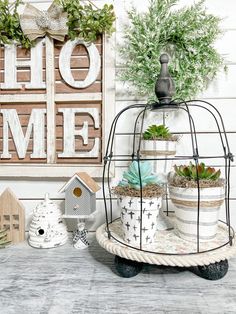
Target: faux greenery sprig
(187,35)
(10,29)
(87,21)
(3,239)
(201,172)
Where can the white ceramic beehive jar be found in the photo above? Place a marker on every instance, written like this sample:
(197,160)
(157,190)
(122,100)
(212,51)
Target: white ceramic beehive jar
(47,228)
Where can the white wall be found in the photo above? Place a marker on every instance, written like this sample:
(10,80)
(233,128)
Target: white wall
(221,93)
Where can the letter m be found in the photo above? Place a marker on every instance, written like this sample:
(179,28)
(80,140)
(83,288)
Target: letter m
(36,125)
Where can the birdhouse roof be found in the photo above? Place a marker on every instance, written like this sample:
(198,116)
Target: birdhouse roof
(85,179)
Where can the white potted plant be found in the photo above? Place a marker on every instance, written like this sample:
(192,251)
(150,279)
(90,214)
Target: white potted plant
(184,194)
(158,141)
(137,224)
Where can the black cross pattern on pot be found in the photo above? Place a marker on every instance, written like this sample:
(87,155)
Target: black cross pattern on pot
(125,209)
(135,236)
(127,226)
(122,214)
(130,203)
(141,201)
(131,214)
(151,203)
(120,199)
(149,214)
(144,210)
(153,224)
(144,229)
(128,240)
(138,219)
(147,238)
(134,227)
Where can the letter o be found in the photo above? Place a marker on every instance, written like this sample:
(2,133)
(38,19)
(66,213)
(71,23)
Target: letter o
(64,63)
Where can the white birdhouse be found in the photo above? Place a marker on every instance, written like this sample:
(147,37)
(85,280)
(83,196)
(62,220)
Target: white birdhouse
(80,196)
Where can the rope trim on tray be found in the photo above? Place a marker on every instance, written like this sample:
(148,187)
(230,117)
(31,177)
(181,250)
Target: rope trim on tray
(159,259)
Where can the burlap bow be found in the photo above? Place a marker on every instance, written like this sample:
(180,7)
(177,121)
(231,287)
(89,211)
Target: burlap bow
(36,23)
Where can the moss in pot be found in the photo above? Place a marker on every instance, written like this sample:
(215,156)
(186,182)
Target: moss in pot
(128,194)
(158,141)
(183,190)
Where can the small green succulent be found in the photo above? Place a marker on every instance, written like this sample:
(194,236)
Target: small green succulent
(157,132)
(3,239)
(131,177)
(192,172)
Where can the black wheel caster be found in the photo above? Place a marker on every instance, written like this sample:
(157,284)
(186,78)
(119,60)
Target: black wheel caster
(127,268)
(212,271)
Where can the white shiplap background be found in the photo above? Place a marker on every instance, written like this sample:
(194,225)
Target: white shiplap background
(221,93)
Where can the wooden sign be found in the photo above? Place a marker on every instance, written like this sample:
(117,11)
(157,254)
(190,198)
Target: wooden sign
(53,107)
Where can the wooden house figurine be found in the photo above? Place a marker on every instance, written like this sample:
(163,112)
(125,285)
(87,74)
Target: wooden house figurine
(12,216)
(80,196)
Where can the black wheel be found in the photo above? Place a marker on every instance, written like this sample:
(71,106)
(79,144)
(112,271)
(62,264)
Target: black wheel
(127,268)
(213,271)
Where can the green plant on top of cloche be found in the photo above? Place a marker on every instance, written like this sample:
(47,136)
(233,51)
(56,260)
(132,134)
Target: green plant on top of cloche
(187,35)
(158,132)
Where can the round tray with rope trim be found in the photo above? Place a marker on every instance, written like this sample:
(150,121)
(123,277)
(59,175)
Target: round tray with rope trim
(168,249)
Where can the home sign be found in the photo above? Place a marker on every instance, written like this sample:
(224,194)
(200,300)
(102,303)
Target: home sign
(52,100)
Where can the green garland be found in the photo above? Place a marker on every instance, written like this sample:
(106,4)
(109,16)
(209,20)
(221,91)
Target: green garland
(10,29)
(187,35)
(87,21)
(84,21)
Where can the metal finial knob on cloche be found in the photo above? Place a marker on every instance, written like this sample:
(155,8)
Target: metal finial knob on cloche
(165,87)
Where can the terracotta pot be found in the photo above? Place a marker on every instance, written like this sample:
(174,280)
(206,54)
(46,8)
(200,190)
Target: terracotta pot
(161,149)
(131,218)
(186,203)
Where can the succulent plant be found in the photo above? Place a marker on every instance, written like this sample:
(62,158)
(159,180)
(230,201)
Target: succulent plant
(192,172)
(3,239)
(131,177)
(157,132)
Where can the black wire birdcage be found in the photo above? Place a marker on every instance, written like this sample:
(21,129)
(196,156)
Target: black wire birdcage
(164,92)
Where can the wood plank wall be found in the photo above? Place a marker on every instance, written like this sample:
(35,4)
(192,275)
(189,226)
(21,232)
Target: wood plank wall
(221,93)
(80,68)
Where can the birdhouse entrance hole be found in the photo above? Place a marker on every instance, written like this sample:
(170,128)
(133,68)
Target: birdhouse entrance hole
(77,192)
